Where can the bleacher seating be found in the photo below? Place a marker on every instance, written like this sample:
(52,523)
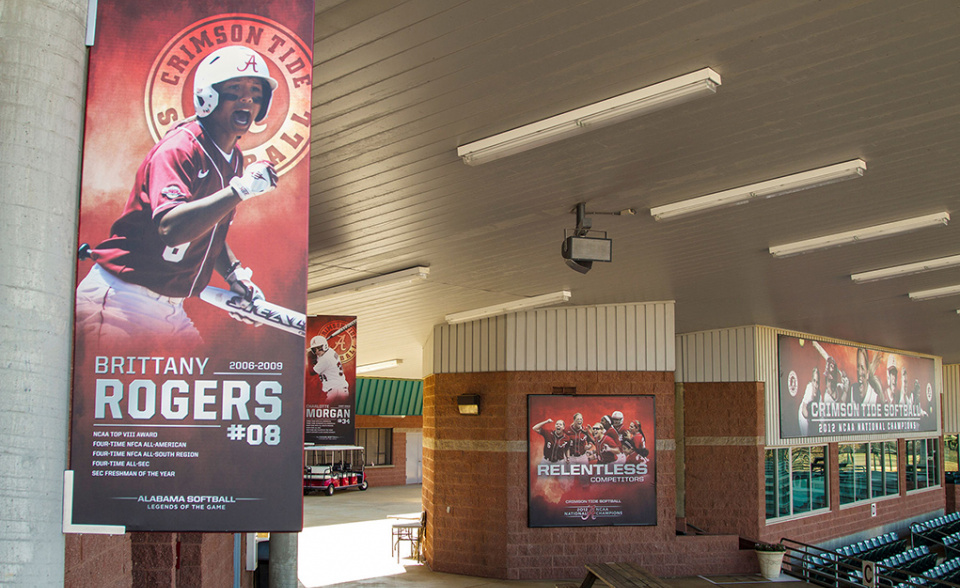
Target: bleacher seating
(898,564)
(874,548)
(936,529)
(948,571)
(915,560)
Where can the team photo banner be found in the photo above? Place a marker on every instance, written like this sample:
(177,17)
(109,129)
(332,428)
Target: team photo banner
(834,389)
(330,380)
(591,460)
(187,407)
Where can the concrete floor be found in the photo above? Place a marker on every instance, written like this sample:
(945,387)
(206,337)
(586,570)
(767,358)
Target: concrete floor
(346,542)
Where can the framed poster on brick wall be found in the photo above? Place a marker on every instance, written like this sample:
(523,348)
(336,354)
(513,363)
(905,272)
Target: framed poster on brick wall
(591,461)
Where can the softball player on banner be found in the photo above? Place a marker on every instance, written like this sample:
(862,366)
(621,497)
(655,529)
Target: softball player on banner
(171,235)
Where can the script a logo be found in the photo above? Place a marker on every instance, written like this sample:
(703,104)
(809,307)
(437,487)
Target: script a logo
(251,65)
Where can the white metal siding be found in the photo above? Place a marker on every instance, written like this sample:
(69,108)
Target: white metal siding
(615,337)
(721,355)
(951,399)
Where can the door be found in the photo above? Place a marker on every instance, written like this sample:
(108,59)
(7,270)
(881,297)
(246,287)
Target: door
(414,458)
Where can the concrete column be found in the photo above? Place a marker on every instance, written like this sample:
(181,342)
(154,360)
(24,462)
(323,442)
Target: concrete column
(42,76)
(283,560)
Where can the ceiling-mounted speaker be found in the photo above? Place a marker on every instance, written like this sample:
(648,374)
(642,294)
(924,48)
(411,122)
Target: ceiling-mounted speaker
(580,252)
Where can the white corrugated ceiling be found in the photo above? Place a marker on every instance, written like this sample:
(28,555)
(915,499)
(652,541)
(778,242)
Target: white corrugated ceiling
(398,86)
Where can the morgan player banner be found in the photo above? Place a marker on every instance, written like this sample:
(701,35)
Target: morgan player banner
(331,378)
(592,461)
(829,389)
(190,307)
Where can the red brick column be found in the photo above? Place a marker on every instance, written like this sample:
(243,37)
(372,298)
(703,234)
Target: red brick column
(97,560)
(154,557)
(198,560)
(952,492)
(724,457)
(475,483)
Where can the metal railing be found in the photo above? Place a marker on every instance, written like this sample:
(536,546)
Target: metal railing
(836,570)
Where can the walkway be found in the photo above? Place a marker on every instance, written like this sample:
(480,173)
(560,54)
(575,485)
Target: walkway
(345,543)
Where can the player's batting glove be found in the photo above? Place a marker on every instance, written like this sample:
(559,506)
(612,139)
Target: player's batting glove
(240,282)
(258,178)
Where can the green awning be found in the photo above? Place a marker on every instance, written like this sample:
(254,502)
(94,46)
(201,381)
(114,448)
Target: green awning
(389,397)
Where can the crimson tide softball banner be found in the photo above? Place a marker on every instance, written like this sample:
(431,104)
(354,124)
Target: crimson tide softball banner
(592,461)
(833,389)
(191,284)
(331,380)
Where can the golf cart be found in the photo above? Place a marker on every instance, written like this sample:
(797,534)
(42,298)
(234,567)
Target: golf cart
(327,468)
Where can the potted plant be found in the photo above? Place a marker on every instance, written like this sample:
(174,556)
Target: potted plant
(770,556)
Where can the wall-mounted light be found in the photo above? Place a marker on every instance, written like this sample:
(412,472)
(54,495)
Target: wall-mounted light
(768,189)
(515,306)
(677,90)
(864,234)
(468,403)
(380,365)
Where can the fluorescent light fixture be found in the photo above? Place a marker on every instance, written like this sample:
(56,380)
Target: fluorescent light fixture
(907,269)
(864,234)
(515,306)
(935,293)
(405,276)
(380,365)
(768,189)
(703,82)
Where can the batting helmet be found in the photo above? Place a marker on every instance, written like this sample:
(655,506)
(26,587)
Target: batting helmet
(235,61)
(319,342)
(617,418)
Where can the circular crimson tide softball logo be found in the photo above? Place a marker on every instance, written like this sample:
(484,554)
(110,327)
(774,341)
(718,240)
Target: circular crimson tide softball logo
(793,383)
(345,344)
(283,136)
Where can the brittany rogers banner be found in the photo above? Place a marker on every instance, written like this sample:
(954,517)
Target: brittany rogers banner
(189,337)
(331,377)
(591,461)
(833,389)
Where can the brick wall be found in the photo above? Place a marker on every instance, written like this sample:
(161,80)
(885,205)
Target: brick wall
(724,457)
(158,560)
(854,522)
(475,486)
(725,476)
(395,474)
(475,483)
(206,560)
(952,496)
(97,560)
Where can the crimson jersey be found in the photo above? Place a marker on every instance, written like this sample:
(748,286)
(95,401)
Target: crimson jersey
(578,441)
(186,165)
(554,447)
(611,439)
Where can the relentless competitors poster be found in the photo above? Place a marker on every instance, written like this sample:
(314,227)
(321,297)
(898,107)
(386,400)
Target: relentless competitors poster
(331,377)
(189,337)
(833,389)
(592,461)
